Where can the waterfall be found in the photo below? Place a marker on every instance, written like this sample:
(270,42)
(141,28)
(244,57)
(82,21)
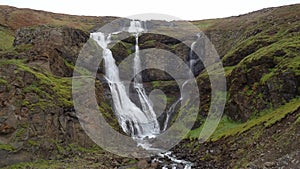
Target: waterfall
(140,123)
(133,120)
(169,113)
(191,59)
(191,63)
(136,28)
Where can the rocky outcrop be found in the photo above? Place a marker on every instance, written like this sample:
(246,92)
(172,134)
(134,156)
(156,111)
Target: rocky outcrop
(260,52)
(261,82)
(242,150)
(60,46)
(37,117)
(31,120)
(165,48)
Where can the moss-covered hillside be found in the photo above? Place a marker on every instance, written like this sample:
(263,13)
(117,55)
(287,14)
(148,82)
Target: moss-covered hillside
(260,52)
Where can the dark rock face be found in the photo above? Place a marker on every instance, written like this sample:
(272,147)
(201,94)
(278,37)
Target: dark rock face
(9,97)
(60,46)
(242,52)
(243,150)
(249,93)
(171,47)
(34,116)
(36,122)
(21,120)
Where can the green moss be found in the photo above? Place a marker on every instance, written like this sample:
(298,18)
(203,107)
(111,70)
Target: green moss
(291,64)
(3,81)
(108,114)
(205,24)
(6,147)
(132,161)
(173,47)
(228,70)
(69,65)
(298,120)
(194,134)
(23,48)
(266,120)
(228,127)
(266,77)
(19,133)
(41,164)
(159,84)
(149,43)
(77,148)
(249,46)
(288,45)
(33,143)
(128,46)
(61,87)
(248,91)
(59,148)
(6,40)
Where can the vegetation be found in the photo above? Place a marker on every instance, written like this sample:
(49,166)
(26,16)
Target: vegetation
(61,87)
(6,147)
(263,45)
(6,39)
(267,118)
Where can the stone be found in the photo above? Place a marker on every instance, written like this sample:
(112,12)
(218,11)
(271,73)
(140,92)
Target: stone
(269,164)
(142,164)
(58,44)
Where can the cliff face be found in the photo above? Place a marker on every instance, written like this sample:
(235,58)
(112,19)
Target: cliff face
(260,54)
(36,105)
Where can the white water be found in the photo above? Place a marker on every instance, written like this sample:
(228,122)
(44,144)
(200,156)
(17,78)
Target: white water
(140,123)
(192,61)
(168,155)
(169,113)
(147,107)
(132,120)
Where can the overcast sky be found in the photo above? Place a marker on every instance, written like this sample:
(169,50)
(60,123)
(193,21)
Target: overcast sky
(183,9)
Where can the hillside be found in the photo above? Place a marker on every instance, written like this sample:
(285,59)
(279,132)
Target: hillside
(260,52)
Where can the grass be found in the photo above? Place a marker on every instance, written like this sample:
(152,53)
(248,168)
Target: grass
(60,86)
(266,77)
(292,64)
(228,70)
(3,81)
(298,120)
(267,118)
(6,147)
(6,40)
(41,164)
(205,24)
(159,84)
(149,43)
(287,45)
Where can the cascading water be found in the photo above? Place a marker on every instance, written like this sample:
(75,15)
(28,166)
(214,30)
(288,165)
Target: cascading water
(191,63)
(147,107)
(191,59)
(169,114)
(132,120)
(140,123)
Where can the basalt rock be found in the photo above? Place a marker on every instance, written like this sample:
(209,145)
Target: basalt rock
(60,46)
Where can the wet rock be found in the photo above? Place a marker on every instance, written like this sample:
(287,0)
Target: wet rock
(269,164)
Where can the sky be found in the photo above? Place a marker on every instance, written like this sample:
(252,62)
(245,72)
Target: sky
(186,10)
